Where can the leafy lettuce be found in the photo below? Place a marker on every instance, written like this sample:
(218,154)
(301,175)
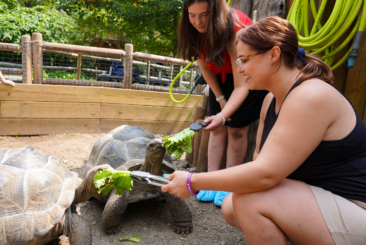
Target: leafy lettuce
(131,239)
(105,180)
(179,143)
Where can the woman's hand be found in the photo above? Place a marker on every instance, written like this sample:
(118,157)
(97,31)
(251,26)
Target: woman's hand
(8,82)
(178,184)
(214,122)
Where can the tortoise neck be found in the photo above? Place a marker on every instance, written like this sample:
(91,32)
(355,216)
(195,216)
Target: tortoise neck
(150,167)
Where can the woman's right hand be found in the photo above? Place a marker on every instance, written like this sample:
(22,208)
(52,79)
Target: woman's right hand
(213,123)
(178,184)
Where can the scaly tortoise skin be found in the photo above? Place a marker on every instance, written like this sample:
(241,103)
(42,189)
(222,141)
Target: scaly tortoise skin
(35,191)
(131,148)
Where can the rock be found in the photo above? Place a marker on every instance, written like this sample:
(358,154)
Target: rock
(174,158)
(222,243)
(66,161)
(185,165)
(194,169)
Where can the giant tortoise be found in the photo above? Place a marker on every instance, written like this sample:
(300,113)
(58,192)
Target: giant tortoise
(131,148)
(35,191)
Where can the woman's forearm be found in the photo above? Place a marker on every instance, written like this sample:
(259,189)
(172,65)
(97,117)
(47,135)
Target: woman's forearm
(244,178)
(235,101)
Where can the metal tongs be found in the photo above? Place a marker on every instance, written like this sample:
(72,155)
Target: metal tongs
(198,126)
(147,178)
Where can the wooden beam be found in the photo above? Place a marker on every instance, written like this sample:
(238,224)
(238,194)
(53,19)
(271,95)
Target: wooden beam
(30,109)
(52,93)
(83,49)
(10,47)
(48,126)
(137,112)
(139,97)
(155,127)
(11,71)
(162,59)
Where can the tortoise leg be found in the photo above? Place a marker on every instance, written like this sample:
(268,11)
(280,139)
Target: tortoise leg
(113,211)
(78,230)
(87,190)
(181,214)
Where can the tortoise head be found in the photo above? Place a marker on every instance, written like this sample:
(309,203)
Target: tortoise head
(155,153)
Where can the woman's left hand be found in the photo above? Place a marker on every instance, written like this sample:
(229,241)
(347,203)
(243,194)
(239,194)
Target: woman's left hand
(8,82)
(178,184)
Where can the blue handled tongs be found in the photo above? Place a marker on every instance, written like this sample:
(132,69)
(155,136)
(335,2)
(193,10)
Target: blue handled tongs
(147,178)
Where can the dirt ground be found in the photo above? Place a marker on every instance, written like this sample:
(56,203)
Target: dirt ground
(151,220)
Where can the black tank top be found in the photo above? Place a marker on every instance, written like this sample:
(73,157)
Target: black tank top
(338,166)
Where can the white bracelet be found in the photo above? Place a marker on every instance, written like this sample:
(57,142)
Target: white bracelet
(220,98)
(223,118)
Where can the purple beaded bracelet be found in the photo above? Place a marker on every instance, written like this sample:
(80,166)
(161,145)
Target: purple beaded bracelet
(189,185)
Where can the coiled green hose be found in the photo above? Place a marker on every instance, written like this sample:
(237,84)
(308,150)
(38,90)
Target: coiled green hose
(325,39)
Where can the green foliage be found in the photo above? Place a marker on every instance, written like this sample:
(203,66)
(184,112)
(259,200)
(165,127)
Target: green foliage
(105,180)
(17,20)
(65,75)
(179,143)
(150,25)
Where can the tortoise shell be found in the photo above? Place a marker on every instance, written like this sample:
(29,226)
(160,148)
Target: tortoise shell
(124,148)
(35,191)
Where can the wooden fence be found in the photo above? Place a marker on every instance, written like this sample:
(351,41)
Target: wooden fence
(47,109)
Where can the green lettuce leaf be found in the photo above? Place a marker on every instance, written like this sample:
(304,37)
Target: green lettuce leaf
(180,142)
(132,239)
(107,179)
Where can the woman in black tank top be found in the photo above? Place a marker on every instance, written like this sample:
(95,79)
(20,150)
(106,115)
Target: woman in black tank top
(307,180)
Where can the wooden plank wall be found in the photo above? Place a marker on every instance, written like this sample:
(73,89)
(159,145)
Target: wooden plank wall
(47,109)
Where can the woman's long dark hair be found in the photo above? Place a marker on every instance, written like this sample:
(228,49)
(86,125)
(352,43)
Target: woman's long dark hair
(220,31)
(275,31)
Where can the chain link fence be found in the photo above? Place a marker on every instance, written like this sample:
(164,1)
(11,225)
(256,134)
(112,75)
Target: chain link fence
(40,62)
(11,62)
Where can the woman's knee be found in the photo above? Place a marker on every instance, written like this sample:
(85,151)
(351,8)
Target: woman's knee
(228,211)
(238,133)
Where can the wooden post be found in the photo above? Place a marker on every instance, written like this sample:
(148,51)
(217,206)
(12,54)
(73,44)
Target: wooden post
(128,65)
(181,76)
(202,161)
(171,72)
(37,58)
(191,79)
(78,66)
(148,71)
(198,112)
(26,60)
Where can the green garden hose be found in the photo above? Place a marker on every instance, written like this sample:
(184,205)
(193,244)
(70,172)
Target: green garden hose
(325,40)
(179,74)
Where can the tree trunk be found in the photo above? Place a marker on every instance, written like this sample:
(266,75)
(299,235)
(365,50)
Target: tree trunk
(268,8)
(245,6)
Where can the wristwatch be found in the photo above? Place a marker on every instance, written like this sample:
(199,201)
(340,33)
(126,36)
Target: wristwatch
(220,98)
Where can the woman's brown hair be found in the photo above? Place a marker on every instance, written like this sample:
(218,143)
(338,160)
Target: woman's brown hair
(275,31)
(220,31)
